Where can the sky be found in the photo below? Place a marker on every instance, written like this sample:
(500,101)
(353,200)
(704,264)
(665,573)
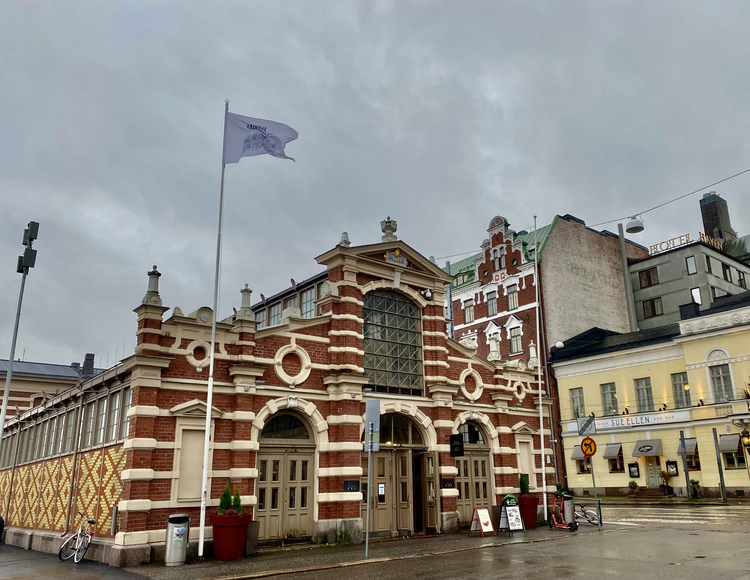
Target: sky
(439,114)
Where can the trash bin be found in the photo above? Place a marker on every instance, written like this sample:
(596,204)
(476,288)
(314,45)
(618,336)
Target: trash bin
(568,508)
(178,533)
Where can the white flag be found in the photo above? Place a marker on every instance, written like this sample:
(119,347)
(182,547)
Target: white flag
(247,136)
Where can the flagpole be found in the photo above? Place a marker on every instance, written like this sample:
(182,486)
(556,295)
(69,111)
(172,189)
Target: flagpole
(539,370)
(209,397)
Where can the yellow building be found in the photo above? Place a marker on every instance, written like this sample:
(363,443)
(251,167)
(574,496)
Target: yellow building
(645,390)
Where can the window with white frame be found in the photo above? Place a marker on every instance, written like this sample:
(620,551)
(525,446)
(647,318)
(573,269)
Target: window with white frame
(515,340)
(695,294)
(491,303)
(260,319)
(308,303)
(512,293)
(690,265)
(617,464)
(499,259)
(126,403)
(576,402)
(643,394)
(468,311)
(721,381)
(274,315)
(735,459)
(583,465)
(609,398)
(681,390)
(113,427)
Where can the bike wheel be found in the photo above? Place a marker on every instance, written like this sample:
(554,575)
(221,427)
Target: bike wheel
(591,517)
(68,548)
(81,548)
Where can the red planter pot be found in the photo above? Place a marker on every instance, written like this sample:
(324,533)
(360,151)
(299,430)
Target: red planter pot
(230,535)
(528,505)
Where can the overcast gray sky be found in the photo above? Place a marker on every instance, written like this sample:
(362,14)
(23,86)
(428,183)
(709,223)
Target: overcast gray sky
(439,114)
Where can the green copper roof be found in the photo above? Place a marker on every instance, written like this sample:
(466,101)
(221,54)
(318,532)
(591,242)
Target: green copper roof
(739,249)
(542,235)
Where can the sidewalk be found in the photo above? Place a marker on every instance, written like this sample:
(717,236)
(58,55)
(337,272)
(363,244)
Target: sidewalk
(301,558)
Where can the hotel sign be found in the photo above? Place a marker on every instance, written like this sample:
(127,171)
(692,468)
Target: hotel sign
(682,241)
(641,420)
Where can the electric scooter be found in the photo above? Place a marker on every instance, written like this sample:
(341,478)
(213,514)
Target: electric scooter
(557,515)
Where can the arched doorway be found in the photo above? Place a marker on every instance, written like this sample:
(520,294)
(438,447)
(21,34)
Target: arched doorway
(285,482)
(475,474)
(403,493)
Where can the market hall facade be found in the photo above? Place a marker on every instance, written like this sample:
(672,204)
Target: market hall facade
(287,416)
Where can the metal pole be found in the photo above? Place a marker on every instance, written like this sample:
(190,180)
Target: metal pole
(685,463)
(539,374)
(209,396)
(596,497)
(626,280)
(721,470)
(369,492)
(9,375)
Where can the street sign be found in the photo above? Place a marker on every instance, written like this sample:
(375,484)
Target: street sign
(586,425)
(372,424)
(457,445)
(588,446)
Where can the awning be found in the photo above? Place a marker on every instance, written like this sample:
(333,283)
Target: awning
(577,454)
(647,448)
(691,443)
(729,443)
(612,450)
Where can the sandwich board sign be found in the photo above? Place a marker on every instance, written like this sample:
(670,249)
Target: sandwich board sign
(481,521)
(510,515)
(372,425)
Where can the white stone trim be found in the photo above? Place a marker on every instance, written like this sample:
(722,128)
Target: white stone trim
(436,348)
(140,443)
(350,349)
(429,317)
(471,372)
(244,446)
(348,317)
(243,472)
(137,474)
(448,470)
(144,411)
(448,493)
(247,416)
(340,471)
(352,300)
(436,363)
(344,446)
(353,333)
(134,505)
(344,420)
(339,497)
(305,361)
(442,424)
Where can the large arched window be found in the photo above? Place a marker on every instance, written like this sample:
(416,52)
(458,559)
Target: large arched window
(393,343)
(285,426)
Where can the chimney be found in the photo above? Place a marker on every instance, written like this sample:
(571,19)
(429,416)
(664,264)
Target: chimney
(691,310)
(88,364)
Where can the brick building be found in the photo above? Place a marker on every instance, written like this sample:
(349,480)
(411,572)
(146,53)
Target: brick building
(291,382)
(493,293)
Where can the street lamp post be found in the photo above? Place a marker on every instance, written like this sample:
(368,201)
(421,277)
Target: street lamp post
(633,226)
(25,263)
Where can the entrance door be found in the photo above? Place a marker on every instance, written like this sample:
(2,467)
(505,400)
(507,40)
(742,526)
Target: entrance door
(284,494)
(473,484)
(653,467)
(392,495)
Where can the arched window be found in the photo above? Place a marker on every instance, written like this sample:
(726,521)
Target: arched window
(285,427)
(393,343)
(471,435)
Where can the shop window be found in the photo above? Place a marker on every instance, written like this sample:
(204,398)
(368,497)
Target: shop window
(694,461)
(512,292)
(690,264)
(652,308)
(735,459)
(649,277)
(644,396)
(617,464)
(576,402)
(491,303)
(468,311)
(681,390)
(609,399)
(721,381)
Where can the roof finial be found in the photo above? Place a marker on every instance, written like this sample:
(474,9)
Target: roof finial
(152,294)
(389,228)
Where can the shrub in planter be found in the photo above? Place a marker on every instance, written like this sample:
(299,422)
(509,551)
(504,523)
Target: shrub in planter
(633,484)
(695,488)
(230,527)
(527,503)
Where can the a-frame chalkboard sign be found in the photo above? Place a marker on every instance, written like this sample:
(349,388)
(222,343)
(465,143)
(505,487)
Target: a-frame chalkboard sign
(510,515)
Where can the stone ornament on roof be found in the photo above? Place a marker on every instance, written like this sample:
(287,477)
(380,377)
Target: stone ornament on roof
(389,227)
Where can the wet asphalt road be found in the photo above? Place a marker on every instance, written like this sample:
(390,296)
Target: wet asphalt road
(688,542)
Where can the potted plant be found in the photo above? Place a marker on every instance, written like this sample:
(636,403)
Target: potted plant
(528,504)
(230,526)
(633,485)
(666,489)
(695,489)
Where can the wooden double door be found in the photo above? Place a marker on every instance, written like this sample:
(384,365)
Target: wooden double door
(474,483)
(285,494)
(403,492)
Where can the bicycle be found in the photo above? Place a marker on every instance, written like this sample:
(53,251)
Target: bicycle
(76,545)
(586,514)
